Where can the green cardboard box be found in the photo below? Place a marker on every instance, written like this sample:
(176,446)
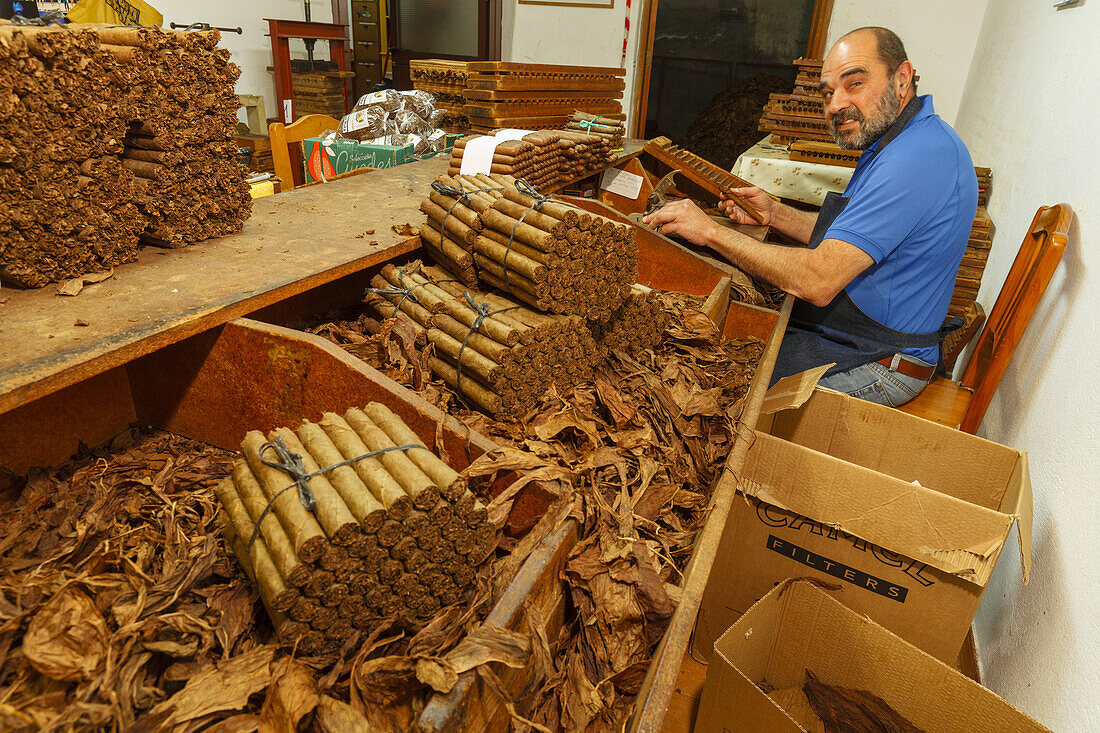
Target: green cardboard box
(329,158)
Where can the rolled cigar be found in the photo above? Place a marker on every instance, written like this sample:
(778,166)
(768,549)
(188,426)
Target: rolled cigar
(464,544)
(324,618)
(405,547)
(457,209)
(415,482)
(509,258)
(483,344)
(301,527)
(373,558)
(389,533)
(334,596)
(367,510)
(513,280)
(452,224)
(472,360)
(332,513)
(390,571)
(370,470)
(257,564)
(304,609)
(476,393)
(529,298)
(459,309)
(524,232)
(333,556)
(417,559)
(318,581)
(450,483)
(278,544)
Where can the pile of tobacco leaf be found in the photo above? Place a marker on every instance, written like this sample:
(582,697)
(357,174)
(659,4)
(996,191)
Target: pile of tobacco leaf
(636,452)
(120,610)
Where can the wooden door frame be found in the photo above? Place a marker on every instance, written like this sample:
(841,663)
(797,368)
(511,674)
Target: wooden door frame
(815,48)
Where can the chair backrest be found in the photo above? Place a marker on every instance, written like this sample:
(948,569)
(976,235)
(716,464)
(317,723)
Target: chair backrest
(1031,272)
(287,162)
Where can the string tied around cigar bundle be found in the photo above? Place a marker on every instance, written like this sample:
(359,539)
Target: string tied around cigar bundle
(461,196)
(292,463)
(483,312)
(404,292)
(524,187)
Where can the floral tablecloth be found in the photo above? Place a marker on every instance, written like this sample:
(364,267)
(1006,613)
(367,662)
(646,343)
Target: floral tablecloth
(768,167)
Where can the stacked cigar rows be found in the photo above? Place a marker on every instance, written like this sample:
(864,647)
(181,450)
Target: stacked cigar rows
(394,535)
(636,326)
(608,129)
(75,103)
(181,147)
(542,158)
(558,258)
(512,357)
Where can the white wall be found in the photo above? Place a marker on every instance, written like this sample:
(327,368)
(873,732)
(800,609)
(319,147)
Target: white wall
(252,50)
(1029,113)
(939,36)
(545,34)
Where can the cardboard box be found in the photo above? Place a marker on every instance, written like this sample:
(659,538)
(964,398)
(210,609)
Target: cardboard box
(798,627)
(901,518)
(325,159)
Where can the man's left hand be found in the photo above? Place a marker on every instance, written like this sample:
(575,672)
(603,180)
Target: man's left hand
(684,219)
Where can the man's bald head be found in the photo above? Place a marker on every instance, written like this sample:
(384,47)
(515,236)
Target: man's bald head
(891,51)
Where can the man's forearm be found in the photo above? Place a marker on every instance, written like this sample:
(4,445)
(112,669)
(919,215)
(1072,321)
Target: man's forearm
(795,270)
(796,224)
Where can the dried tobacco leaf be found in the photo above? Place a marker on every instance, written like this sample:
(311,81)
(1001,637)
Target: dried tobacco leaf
(226,686)
(67,639)
(291,696)
(334,716)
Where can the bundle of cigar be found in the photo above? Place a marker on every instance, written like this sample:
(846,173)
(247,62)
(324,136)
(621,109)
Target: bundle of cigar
(607,128)
(636,326)
(543,158)
(182,151)
(499,355)
(547,254)
(89,115)
(393,535)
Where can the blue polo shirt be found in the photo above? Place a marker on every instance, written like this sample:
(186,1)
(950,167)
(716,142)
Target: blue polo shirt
(911,208)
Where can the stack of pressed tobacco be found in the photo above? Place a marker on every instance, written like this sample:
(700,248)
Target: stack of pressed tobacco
(377,526)
(107,133)
(542,158)
(548,254)
(180,146)
(608,128)
(498,354)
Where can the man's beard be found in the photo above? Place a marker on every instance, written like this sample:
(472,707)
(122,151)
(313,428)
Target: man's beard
(884,114)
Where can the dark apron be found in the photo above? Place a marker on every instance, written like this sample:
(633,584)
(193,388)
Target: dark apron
(840,332)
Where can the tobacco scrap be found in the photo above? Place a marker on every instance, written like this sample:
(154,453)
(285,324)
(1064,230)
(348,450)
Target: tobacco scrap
(846,710)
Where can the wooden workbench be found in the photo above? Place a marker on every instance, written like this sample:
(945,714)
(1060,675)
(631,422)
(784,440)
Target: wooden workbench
(293,242)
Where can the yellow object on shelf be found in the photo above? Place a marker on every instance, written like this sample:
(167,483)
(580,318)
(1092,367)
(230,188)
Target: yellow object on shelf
(122,12)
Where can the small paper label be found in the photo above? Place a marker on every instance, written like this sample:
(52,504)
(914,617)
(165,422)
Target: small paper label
(478,156)
(288,110)
(621,182)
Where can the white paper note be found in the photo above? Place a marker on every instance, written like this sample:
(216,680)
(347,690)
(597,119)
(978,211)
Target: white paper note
(478,156)
(621,182)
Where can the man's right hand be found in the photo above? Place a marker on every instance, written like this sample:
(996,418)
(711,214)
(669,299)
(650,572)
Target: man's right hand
(754,197)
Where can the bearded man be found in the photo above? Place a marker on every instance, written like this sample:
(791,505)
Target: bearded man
(874,282)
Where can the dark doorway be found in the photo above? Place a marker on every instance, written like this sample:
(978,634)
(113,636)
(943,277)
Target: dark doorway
(466,30)
(714,62)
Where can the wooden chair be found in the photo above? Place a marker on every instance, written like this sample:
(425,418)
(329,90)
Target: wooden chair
(287,161)
(963,404)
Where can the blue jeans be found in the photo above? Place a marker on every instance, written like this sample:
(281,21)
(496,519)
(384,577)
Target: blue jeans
(876,383)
